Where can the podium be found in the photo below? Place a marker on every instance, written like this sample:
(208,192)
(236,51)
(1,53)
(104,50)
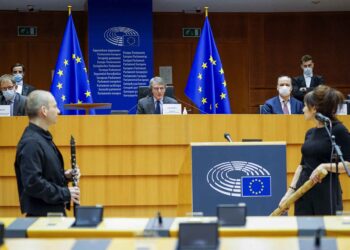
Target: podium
(230,173)
(87,106)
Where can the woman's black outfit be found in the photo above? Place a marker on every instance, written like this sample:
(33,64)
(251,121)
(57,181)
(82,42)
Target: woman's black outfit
(316,150)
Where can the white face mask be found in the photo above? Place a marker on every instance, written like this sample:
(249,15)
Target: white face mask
(308,72)
(284,91)
(9,94)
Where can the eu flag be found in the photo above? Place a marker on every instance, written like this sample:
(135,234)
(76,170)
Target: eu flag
(206,85)
(255,186)
(70,82)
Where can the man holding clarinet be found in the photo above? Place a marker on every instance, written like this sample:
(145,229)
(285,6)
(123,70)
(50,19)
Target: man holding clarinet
(41,179)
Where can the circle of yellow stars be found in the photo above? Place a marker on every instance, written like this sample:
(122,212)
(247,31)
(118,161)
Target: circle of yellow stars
(251,186)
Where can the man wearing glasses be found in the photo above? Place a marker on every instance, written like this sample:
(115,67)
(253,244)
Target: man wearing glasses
(308,81)
(153,104)
(9,96)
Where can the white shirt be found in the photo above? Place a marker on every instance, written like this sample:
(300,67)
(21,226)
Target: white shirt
(307,80)
(19,89)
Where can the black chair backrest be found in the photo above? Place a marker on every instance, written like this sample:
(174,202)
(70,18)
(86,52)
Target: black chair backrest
(144,91)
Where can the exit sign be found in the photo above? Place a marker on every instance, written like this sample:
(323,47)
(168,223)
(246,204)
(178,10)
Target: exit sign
(27,31)
(191,32)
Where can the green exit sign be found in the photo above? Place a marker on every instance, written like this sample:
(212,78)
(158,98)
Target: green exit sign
(27,31)
(191,32)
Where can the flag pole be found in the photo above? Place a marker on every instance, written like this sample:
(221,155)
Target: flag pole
(206,11)
(69,10)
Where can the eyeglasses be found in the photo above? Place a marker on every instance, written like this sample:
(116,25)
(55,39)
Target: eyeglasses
(159,89)
(7,88)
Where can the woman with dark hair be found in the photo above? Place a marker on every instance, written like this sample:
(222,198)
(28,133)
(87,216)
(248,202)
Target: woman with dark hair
(325,198)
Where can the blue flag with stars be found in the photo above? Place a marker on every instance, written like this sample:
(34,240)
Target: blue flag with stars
(206,85)
(70,82)
(256,186)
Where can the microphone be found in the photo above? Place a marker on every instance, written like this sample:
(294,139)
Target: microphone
(228,137)
(322,118)
(160,219)
(183,102)
(133,107)
(318,237)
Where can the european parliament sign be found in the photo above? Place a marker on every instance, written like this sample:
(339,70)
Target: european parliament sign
(120,51)
(230,173)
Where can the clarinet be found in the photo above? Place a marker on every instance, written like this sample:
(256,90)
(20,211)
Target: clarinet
(74,167)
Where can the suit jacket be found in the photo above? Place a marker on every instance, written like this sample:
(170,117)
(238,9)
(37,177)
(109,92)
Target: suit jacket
(18,105)
(146,104)
(27,89)
(299,82)
(273,106)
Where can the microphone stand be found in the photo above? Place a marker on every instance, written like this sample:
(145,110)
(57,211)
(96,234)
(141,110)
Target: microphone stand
(336,154)
(336,148)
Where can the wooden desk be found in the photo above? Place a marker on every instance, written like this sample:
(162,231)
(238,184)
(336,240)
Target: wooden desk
(136,165)
(337,226)
(7,220)
(287,243)
(256,226)
(110,227)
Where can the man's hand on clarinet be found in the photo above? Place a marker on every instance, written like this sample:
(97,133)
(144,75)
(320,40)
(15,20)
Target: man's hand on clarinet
(70,173)
(75,194)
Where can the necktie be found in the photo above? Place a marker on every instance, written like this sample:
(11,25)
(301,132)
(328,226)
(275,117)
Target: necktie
(11,107)
(285,108)
(157,107)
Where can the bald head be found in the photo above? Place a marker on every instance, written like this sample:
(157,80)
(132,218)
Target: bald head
(36,100)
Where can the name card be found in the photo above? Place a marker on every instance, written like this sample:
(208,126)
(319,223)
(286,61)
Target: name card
(172,109)
(5,110)
(342,109)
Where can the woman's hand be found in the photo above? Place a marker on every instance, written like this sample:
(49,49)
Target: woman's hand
(315,177)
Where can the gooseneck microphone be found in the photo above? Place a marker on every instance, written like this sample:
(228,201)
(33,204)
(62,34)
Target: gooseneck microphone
(160,219)
(318,236)
(228,137)
(322,118)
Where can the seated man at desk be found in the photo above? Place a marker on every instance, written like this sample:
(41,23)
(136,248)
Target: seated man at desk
(153,104)
(9,96)
(284,103)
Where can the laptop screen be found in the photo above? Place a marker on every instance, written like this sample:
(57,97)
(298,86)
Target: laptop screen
(198,235)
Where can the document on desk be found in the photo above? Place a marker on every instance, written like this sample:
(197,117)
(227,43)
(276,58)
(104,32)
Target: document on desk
(172,109)
(5,110)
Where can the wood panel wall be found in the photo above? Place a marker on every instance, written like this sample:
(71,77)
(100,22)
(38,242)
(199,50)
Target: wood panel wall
(138,165)
(254,48)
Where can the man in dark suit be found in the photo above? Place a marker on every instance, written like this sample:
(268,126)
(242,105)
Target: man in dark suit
(308,81)
(284,103)
(18,72)
(9,96)
(41,179)
(153,104)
